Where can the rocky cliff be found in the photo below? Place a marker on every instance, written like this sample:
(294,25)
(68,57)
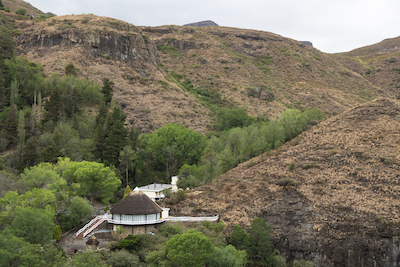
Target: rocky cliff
(104,47)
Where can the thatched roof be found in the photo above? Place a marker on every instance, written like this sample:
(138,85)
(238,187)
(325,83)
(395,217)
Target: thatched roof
(136,203)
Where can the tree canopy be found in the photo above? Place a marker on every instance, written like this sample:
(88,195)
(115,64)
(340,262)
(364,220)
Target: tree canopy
(191,248)
(92,180)
(173,146)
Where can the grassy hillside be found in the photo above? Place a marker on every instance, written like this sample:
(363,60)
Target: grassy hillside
(335,188)
(195,70)
(262,71)
(378,63)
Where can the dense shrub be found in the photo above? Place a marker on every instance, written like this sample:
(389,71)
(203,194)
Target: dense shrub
(131,243)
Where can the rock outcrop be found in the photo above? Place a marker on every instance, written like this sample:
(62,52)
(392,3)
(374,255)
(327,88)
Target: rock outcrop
(205,23)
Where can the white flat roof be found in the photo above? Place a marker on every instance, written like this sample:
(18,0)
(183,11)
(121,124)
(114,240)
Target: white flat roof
(155,187)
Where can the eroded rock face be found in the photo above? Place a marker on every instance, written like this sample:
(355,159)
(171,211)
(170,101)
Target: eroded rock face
(337,237)
(132,48)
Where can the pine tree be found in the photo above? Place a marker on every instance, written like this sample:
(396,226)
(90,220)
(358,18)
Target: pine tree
(1,5)
(53,106)
(57,233)
(11,127)
(40,106)
(31,155)
(21,134)
(101,130)
(115,137)
(107,90)
(259,243)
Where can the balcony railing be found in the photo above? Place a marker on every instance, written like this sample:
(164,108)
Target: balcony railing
(135,222)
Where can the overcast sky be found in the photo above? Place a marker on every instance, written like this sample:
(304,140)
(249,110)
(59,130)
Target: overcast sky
(332,26)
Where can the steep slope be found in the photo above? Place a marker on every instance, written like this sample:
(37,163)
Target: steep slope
(16,4)
(261,71)
(331,197)
(103,47)
(378,63)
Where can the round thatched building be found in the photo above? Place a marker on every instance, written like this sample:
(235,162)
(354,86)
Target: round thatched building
(136,213)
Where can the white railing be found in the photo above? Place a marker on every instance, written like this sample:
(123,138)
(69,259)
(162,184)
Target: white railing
(86,226)
(101,217)
(192,219)
(101,220)
(135,222)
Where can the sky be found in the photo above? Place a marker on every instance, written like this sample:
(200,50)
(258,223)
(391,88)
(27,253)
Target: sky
(332,26)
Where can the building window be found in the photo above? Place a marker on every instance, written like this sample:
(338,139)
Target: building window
(152,217)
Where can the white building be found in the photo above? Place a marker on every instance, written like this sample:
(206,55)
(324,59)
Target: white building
(155,191)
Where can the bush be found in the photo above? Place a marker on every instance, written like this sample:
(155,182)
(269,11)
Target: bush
(131,243)
(123,258)
(227,257)
(280,261)
(20,11)
(70,69)
(169,230)
(232,118)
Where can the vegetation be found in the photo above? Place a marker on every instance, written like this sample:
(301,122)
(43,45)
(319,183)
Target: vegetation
(57,158)
(241,144)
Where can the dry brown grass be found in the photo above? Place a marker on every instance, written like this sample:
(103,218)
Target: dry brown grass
(138,90)
(230,61)
(358,159)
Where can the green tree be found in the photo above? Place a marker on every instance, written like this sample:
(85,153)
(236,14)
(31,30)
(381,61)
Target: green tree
(87,259)
(11,203)
(127,191)
(123,258)
(14,92)
(14,251)
(238,237)
(57,233)
(34,225)
(172,146)
(92,180)
(189,176)
(259,246)
(131,243)
(126,159)
(232,118)
(43,176)
(7,45)
(100,131)
(227,257)
(70,69)
(77,210)
(107,90)
(116,137)
(53,106)
(11,127)
(191,248)
(1,4)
